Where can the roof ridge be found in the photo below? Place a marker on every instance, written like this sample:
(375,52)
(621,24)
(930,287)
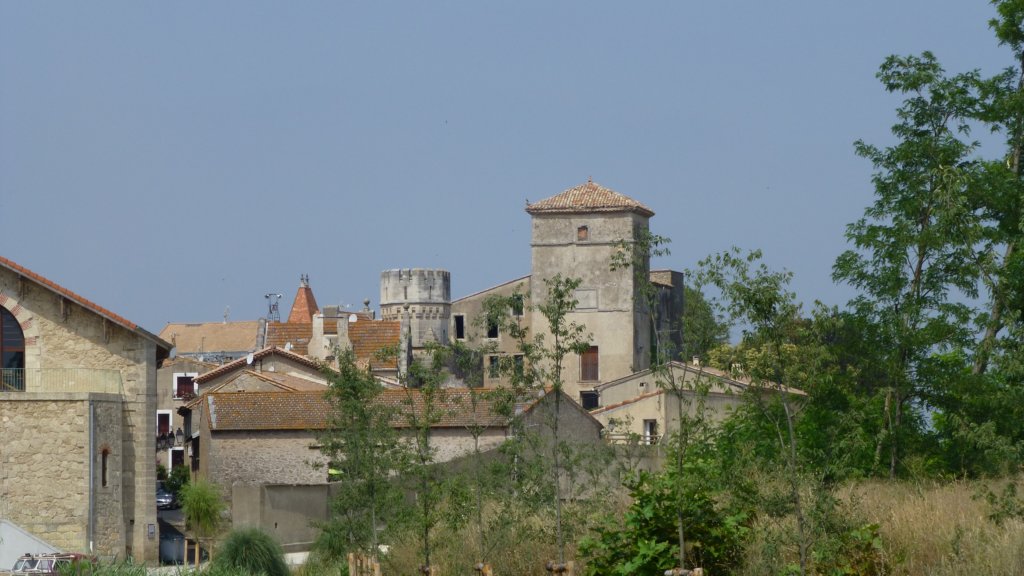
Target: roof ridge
(84,302)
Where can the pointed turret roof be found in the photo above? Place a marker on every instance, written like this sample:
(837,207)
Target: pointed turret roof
(304,306)
(587,198)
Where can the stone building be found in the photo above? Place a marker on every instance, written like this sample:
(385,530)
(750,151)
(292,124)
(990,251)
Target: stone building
(266,436)
(576,234)
(78,407)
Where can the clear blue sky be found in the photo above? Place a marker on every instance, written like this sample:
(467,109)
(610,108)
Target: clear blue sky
(170,159)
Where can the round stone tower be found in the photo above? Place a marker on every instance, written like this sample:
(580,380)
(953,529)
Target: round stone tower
(428,294)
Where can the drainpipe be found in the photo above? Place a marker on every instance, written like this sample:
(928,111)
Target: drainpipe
(92,474)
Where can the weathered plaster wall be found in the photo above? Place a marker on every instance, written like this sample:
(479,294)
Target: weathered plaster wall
(606,298)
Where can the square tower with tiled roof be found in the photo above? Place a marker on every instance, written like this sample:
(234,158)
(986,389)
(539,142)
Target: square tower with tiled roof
(575,234)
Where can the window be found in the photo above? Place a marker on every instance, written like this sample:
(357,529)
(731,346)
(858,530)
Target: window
(194,452)
(518,363)
(12,352)
(650,432)
(517,305)
(589,399)
(493,367)
(163,422)
(460,327)
(184,385)
(582,234)
(104,457)
(589,371)
(492,329)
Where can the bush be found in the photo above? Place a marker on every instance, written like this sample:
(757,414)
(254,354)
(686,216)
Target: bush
(251,551)
(178,478)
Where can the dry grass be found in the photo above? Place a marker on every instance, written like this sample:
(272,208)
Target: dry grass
(941,529)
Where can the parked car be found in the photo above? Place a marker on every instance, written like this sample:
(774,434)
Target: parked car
(165,499)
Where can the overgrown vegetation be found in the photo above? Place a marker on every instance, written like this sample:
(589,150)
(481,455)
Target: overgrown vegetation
(916,380)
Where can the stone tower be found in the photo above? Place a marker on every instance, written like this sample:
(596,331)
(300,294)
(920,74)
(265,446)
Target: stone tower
(428,294)
(575,234)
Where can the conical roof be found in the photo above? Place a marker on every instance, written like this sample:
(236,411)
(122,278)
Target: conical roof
(587,198)
(304,306)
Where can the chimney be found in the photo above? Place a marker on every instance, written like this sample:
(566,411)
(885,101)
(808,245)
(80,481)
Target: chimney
(404,340)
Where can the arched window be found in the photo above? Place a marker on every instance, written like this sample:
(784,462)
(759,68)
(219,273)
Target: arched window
(12,341)
(12,352)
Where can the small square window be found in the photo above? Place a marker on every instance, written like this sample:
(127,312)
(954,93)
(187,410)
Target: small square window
(582,234)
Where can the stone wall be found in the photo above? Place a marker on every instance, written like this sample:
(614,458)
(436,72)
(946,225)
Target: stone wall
(45,468)
(428,294)
(61,334)
(264,457)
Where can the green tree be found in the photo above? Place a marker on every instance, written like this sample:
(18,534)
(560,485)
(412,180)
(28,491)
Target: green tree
(203,509)
(699,331)
(426,404)
(362,450)
(759,299)
(914,256)
(1000,193)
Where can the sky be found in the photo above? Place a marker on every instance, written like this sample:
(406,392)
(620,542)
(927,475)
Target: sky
(176,161)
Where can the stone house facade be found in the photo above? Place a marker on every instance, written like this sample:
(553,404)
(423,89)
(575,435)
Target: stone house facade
(270,437)
(644,407)
(576,234)
(78,407)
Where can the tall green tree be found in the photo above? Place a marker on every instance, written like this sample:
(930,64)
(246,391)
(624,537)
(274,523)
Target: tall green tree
(699,331)
(1000,193)
(914,258)
(363,451)
(759,299)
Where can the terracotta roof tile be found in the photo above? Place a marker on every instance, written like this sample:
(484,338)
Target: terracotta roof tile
(587,198)
(212,337)
(281,334)
(370,338)
(83,302)
(243,362)
(310,410)
(304,305)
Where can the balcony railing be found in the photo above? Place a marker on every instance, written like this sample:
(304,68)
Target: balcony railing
(43,380)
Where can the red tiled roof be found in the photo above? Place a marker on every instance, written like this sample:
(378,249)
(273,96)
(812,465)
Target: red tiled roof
(267,410)
(331,322)
(242,362)
(212,337)
(81,301)
(311,410)
(627,402)
(587,198)
(281,334)
(304,306)
(369,338)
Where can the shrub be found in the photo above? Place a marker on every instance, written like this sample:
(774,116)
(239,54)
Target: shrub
(251,551)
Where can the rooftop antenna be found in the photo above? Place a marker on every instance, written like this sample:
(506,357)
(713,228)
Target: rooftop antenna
(273,314)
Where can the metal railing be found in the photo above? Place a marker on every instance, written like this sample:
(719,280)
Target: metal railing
(44,380)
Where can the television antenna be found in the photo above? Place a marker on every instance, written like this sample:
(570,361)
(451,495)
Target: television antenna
(273,314)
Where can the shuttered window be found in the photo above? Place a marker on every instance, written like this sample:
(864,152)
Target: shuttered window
(589,365)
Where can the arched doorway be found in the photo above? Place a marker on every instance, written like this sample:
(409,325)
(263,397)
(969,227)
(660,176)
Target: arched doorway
(12,353)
